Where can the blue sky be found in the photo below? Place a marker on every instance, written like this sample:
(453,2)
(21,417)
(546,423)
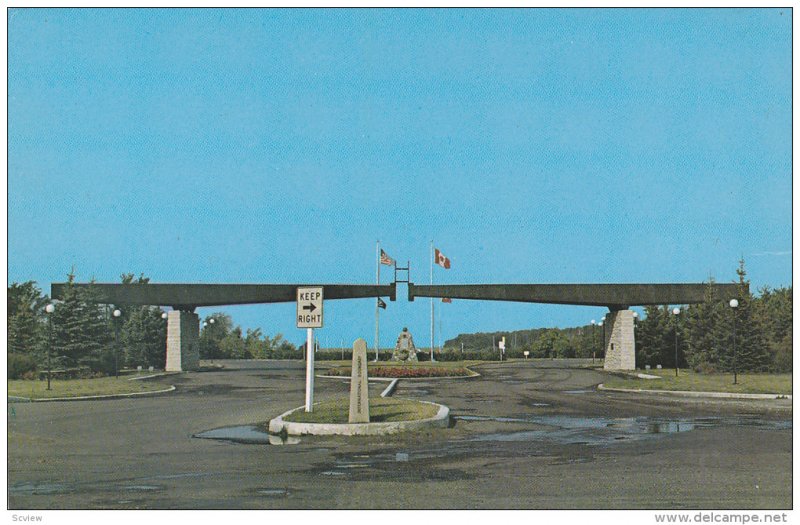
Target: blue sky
(539,146)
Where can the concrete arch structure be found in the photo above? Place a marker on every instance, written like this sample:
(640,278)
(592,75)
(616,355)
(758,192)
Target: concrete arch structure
(183,325)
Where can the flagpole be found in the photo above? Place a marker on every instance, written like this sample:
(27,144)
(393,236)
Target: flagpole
(441,309)
(432,358)
(377,302)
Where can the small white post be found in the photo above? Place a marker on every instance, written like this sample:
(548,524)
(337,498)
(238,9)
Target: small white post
(309,369)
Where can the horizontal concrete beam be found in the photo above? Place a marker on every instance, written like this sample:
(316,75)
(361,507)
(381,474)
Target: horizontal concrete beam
(190,296)
(614,296)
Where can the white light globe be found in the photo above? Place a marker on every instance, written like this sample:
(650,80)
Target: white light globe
(676,311)
(117,313)
(49,308)
(734,303)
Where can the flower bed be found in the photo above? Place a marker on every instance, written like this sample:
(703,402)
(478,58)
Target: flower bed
(405,372)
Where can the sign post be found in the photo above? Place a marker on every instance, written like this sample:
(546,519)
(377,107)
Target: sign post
(309,316)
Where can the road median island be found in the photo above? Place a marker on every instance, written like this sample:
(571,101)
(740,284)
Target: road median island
(387,416)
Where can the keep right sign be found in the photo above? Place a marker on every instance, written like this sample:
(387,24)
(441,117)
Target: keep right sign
(309,307)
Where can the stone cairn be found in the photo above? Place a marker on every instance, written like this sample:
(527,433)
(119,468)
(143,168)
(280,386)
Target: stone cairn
(404,350)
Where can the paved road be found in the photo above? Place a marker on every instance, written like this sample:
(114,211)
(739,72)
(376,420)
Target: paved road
(525,435)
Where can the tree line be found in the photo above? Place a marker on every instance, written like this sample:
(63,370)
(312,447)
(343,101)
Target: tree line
(705,335)
(83,337)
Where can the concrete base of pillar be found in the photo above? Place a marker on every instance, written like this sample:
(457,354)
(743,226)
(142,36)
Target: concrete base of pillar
(620,342)
(183,331)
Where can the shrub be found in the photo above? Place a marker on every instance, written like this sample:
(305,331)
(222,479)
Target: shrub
(19,365)
(405,372)
(705,368)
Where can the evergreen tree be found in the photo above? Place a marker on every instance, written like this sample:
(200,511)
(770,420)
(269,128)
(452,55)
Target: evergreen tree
(702,346)
(80,330)
(773,310)
(144,338)
(651,337)
(143,333)
(751,348)
(26,318)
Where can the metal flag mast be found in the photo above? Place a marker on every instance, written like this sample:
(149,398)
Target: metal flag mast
(432,358)
(378,300)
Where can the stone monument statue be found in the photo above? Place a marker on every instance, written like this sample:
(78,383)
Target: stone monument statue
(404,350)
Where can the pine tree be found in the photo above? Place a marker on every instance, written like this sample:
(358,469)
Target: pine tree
(653,338)
(702,346)
(80,329)
(25,317)
(751,348)
(143,333)
(144,338)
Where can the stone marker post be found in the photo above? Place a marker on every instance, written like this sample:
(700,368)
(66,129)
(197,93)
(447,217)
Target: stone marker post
(359,397)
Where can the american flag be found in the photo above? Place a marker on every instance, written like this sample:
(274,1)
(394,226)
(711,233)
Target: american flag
(385,259)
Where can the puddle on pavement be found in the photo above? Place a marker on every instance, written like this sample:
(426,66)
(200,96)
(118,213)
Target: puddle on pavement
(178,476)
(247,434)
(398,464)
(575,430)
(142,488)
(36,489)
(276,493)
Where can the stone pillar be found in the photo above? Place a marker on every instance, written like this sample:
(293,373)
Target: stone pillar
(359,395)
(183,331)
(620,343)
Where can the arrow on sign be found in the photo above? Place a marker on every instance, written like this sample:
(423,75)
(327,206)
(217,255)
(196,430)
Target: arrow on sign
(310,307)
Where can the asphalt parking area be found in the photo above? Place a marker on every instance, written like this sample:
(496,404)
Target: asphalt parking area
(523,436)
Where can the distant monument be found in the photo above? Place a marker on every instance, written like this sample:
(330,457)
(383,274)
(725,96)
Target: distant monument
(404,350)
(359,398)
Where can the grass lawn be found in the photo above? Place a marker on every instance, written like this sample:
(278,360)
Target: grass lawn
(79,387)
(380,410)
(748,383)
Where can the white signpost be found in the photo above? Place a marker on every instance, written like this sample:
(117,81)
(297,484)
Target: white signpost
(309,316)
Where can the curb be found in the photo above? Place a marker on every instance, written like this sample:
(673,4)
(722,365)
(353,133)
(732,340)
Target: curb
(89,398)
(390,389)
(279,426)
(160,374)
(686,393)
(372,378)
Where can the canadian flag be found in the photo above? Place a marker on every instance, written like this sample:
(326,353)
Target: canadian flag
(441,260)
